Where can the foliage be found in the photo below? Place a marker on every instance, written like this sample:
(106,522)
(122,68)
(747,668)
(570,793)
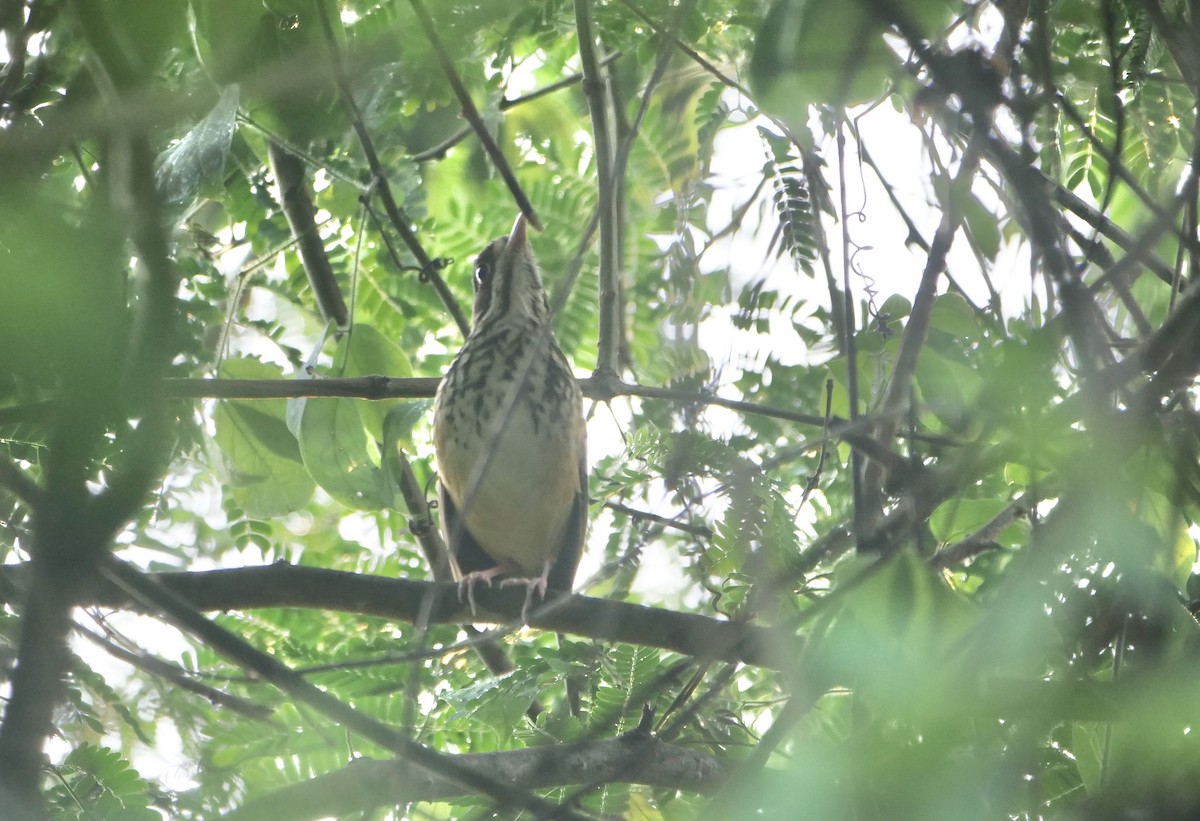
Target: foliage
(906,404)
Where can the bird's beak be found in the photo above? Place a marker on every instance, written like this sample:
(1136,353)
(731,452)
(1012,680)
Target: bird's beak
(517,239)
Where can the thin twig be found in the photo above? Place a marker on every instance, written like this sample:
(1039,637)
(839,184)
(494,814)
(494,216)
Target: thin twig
(380,181)
(178,677)
(472,114)
(383,387)
(672,36)
(916,330)
(862,516)
(815,479)
(437,152)
(672,524)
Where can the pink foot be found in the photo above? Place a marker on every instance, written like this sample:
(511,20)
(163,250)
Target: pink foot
(534,584)
(467,583)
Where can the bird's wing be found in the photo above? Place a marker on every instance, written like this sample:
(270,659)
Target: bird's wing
(562,574)
(466,556)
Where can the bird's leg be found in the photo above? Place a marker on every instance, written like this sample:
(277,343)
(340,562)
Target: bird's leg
(532,584)
(467,583)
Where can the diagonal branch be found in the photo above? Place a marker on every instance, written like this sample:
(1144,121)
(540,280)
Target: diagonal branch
(367,785)
(595,86)
(916,330)
(154,596)
(380,182)
(177,676)
(438,151)
(436,552)
(472,114)
(297,204)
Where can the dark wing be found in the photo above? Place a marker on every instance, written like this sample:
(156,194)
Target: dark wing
(562,574)
(466,556)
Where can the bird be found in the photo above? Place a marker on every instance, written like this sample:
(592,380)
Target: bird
(509,436)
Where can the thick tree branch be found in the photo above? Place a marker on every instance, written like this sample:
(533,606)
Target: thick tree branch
(297,204)
(283,585)
(916,330)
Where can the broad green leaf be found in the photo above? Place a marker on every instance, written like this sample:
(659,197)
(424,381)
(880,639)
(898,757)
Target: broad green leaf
(947,387)
(338,454)
(1087,746)
(261,459)
(499,702)
(893,634)
(953,315)
(367,352)
(983,224)
(958,518)
(199,158)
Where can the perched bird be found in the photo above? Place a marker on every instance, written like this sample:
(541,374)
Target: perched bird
(509,435)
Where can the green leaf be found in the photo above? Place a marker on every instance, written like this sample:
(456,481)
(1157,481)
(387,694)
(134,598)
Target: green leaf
(1087,746)
(262,466)
(958,518)
(499,702)
(947,387)
(111,788)
(199,158)
(894,632)
(954,316)
(983,225)
(367,352)
(338,454)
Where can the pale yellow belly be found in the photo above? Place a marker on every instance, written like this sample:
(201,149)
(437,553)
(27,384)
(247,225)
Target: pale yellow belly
(518,505)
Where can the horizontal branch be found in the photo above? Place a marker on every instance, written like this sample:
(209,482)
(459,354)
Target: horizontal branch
(602,388)
(284,585)
(353,387)
(424,387)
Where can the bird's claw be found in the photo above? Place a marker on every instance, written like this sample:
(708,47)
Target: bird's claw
(537,584)
(467,583)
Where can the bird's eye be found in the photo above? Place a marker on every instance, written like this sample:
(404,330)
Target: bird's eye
(485,263)
(483,272)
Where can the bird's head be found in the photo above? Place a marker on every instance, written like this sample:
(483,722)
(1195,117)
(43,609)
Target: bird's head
(507,283)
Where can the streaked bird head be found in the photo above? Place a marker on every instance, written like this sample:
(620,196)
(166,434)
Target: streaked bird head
(507,283)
